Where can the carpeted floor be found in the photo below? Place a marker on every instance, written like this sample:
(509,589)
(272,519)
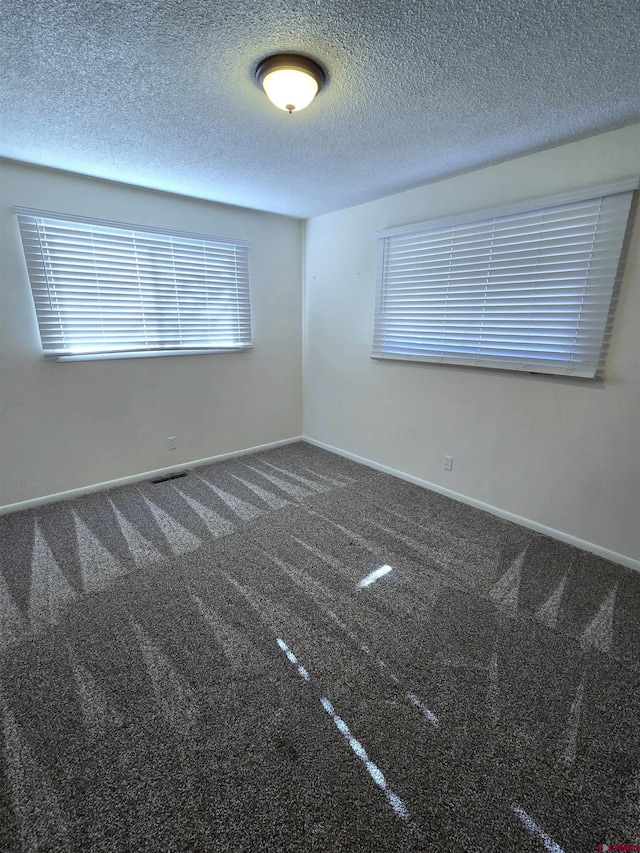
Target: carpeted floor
(288,651)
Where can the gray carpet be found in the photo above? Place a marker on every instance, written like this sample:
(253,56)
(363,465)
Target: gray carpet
(288,651)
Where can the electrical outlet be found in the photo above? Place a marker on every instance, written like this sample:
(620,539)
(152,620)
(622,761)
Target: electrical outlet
(448,463)
(171,442)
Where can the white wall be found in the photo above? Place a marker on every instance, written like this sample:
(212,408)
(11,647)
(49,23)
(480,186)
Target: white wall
(560,453)
(70,425)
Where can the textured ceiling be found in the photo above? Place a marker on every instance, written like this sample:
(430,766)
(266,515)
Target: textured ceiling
(161,94)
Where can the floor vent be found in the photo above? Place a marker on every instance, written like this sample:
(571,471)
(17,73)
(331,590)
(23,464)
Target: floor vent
(170,477)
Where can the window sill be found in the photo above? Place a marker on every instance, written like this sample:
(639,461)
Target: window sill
(108,356)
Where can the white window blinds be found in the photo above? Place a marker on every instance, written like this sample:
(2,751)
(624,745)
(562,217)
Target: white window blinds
(103,288)
(522,288)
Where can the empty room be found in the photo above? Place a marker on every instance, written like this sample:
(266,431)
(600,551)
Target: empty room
(319,426)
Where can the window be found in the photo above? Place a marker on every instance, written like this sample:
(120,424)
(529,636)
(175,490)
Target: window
(108,289)
(528,287)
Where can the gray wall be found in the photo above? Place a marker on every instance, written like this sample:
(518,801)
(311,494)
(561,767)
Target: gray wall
(561,453)
(70,425)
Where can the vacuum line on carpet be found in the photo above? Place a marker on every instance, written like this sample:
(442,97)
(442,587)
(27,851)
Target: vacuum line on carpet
(294,660)
(534,829)
(415,701)
(372,768)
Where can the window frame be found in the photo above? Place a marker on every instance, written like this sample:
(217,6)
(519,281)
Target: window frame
(398,314)
(179,293)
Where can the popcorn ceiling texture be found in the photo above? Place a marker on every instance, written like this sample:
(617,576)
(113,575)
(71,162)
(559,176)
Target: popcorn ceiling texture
(161,94)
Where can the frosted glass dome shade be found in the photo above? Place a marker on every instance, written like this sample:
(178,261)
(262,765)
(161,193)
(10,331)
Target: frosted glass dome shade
(290,82)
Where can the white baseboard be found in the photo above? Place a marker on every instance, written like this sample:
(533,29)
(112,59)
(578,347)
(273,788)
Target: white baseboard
(622,559)
(145,475)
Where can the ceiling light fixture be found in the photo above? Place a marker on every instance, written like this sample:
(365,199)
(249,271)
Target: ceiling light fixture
(290,81)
